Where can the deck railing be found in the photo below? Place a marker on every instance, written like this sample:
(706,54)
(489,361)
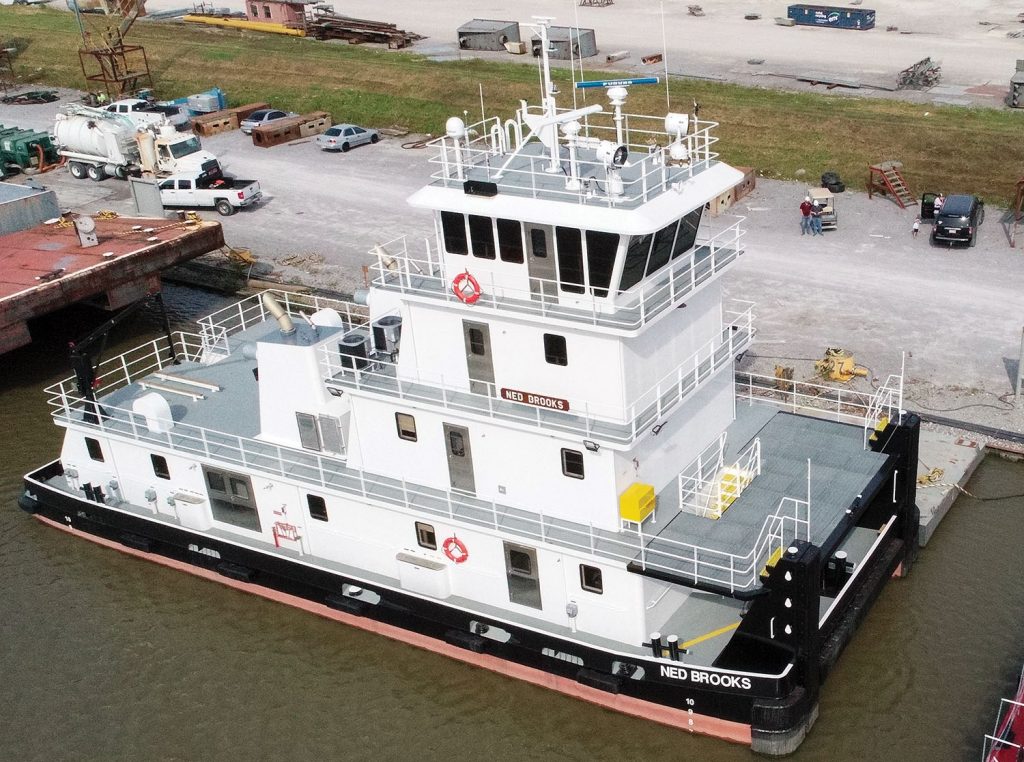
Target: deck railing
(862,408)
(605,422)
(1003,743)
(651,167)
(425,274)
(706,490)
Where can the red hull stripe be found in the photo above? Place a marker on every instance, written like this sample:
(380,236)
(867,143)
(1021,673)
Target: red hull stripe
(692,722)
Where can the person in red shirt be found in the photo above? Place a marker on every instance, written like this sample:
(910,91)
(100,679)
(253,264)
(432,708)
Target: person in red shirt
(805,216)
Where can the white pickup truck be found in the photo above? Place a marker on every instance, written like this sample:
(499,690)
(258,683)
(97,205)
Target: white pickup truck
(225,194)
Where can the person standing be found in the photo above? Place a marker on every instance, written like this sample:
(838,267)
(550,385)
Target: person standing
(805,216)
(816,218)
(917,227)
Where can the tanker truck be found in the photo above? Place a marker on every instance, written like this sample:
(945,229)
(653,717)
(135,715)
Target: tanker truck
(98,143)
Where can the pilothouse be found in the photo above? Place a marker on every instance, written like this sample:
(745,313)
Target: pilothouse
(524,445)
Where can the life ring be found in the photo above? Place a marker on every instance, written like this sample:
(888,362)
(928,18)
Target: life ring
(455,550)
(466,287)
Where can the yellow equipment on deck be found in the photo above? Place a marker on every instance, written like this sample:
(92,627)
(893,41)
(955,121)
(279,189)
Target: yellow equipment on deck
(637,502)
(838,365)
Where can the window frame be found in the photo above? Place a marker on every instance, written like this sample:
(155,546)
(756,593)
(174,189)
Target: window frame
(591,587)
(510,243)
(95,449)
(482,241)
(408,433)
(569,257)
(454,233)
(320,511)
(567,470)
(160,468)
(422,539)
(555,355)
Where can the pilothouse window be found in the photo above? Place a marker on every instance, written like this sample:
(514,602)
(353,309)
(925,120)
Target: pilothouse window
(636,261)
(687,234)
(453,228)
(510,241)
(481,233)
(662,249)
(601,249)
(569,242)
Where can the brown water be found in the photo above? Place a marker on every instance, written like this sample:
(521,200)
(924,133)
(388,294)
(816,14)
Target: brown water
(106,657)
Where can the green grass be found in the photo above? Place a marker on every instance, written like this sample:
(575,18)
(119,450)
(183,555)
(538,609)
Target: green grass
(943,148)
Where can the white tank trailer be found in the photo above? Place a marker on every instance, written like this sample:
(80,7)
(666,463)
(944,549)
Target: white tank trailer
(98,144)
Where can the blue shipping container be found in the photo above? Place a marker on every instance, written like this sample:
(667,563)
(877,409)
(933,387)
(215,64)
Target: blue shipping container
(832,16)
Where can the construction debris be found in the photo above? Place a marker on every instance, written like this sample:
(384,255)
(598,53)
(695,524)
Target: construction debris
(922,75)
(618,55)
(294,127)
(652,59)
(838,365)
(695,10)
(330,26)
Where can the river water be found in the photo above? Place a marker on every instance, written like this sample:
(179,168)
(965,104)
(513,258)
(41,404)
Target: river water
(106,657)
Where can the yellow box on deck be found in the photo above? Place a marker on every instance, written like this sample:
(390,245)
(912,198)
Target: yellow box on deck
(637,502)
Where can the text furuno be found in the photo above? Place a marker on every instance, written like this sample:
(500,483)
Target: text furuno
(706,678)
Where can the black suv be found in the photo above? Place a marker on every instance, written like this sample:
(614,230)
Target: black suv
(957,220)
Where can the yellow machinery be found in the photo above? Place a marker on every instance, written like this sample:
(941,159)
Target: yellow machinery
(637,502)
(838,365)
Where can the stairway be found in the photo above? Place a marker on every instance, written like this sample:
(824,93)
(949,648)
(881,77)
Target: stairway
(893,182)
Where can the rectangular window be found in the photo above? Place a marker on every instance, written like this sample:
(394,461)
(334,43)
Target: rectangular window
(255,11)
(406,426)
(662,249)
(590,579)
(476,341)
(601,249)
(231,499)
(554,349)
(453,229)
(456,444)
(266,11)
(481,233)
(185,185)
(510,241)
(425,536)
(636,261)
(522,575)
(317,507)
(687,232)
(95,451)
(569,243)
(309,434)
(572,463)
(160,466)
(538,243)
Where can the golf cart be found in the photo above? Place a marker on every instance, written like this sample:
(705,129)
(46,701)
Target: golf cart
(824,198)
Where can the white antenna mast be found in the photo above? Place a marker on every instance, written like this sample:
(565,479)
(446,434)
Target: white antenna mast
(548,96)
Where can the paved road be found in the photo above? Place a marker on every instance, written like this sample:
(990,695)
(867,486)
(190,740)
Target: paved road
(868,287)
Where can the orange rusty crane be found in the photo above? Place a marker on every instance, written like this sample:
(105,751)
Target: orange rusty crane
(108,64)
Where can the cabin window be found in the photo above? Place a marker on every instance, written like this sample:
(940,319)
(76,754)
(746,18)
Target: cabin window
(538,243)
(510,241)
(481,233)
(601,249)
(266,11)
(636,261)
(522,574)
(570,259)
(572,463)
(453,229)
(184,185)
(317,507)
(231,499)
(661,251)
(309,433)
(160,468)
(255,12)
(406,426)
(590,579)
(554,349)
(476,341)
(95,451)
(687,232)
(425,536)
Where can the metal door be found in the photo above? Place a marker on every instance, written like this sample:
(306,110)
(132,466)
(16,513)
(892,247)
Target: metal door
(478,357)
(928,206)
(460,458)
(523,575)
(540,258)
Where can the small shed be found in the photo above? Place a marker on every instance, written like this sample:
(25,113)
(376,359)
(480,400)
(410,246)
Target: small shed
(566,42)
(487,34)
(288,12)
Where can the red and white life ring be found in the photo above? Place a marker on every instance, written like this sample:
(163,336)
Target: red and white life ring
(466,287)
(455,550)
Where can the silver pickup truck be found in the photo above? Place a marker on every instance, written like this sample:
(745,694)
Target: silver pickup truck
(225,194)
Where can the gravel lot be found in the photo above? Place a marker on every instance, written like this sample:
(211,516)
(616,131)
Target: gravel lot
(868,287)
